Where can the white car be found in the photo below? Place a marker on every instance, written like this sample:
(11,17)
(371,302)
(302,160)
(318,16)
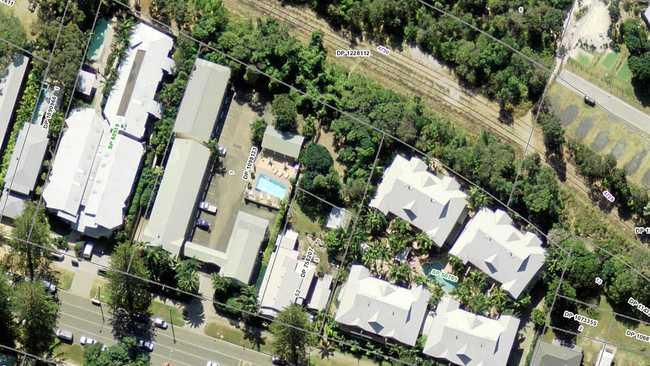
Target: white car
(213,363)
(65,335)
(222,150)
(49,287)
(87,340)
(147,345)
(208,207)
(160,323)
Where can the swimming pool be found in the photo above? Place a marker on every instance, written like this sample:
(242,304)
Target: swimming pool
(271,186)
(433,269)
(97,42)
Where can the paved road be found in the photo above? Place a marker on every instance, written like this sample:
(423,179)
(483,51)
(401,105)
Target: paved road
(608,101)
(78,315)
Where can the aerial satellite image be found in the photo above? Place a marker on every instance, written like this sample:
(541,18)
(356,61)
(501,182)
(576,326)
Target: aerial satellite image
(325,182)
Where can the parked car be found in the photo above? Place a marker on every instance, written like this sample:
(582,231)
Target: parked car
(203,224)
(49,287)
(102,271)
(87,340)
(276,360)
(95,301)
(146,345)
(208,207)
(64,335)
(160,323)
(104,348)
(213,363)
(222,150)
(57,256)
(590,101)
(88,250)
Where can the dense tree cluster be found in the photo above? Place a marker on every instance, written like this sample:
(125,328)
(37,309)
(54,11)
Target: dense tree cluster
(10,31)
(477,59)
(633,33)
(291,341)
(318,176)
(126,352)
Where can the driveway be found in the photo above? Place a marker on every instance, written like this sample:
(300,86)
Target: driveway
(609,102)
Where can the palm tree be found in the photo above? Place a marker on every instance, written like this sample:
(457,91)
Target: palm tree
(160,265)
(400,273)
(498,299)
(187,275)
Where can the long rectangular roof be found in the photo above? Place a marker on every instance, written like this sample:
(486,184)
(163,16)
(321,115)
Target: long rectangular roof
(132,99)
(468,339)
(243,246)
(10,81)
(26,159)
(202,100)
(381,308)
(178,193)
(493,245)
(73,162)
(432,204)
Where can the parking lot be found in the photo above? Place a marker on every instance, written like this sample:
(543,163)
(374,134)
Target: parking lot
(226,190)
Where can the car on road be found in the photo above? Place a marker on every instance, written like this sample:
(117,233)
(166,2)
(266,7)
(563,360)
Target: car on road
(160,323)
(84,340)
(64,335)
(146,345)
(213,363)
(590,101)
(49,287)
(203,224)
(208,207)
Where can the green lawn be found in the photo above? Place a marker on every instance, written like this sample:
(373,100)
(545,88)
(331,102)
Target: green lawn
(341,359)
(72,353)
(162,311)
(65,278)
(21,11)
(100,286)
(234,335)
(301,223)
(609,60)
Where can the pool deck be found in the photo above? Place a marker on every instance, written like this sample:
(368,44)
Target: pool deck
(273,169)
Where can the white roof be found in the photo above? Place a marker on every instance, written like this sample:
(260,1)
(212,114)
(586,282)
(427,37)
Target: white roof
(605,356)
(132,99)
(113,176)
(432,204)
(10,81)
(381,308)
(177,195)
(93,174)
(468,339)
(285,283)
(86,82)
(338,217)
(492,244)
(73,162)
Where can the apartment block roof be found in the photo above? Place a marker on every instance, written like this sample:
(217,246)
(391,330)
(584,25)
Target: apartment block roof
(432,204)
(132,99)
(11,79)
(283,143)
(381,308)
(491,243)
(202,100)
(468,339)
(244,244)
(26,159)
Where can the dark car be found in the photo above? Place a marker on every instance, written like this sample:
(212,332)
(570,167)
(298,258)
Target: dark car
(590,101)
(203,224)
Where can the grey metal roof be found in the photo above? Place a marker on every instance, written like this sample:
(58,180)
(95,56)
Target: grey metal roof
(243,247)
(177,196)
(382,308)
(10,81)
(555,355)
(12,205)
(283,143)
(468,339)
(202,100)
(26,159)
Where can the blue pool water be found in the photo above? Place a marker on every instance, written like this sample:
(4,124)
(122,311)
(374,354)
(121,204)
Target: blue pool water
(95,47)
(271,186)
(447,285)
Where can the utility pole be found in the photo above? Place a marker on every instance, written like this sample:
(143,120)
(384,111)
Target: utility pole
(171,322)
(101,305)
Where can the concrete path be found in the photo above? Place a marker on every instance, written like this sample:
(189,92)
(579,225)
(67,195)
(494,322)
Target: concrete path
(611,103)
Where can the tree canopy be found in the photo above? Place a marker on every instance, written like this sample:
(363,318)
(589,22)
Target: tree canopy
(124,353)
(290,338)
(10,31)
(36,312)
(284,109)
(31,226)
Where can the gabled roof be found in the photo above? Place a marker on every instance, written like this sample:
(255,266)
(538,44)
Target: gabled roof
(244,246)
(285,283)
(132,99)
(548,354)
(177,195)
(284,143)
(93,174)
(10,81)
(73,162)
(202,100)
(468,339)
(491,243)
(26,159)
(432,204)
(381,308)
